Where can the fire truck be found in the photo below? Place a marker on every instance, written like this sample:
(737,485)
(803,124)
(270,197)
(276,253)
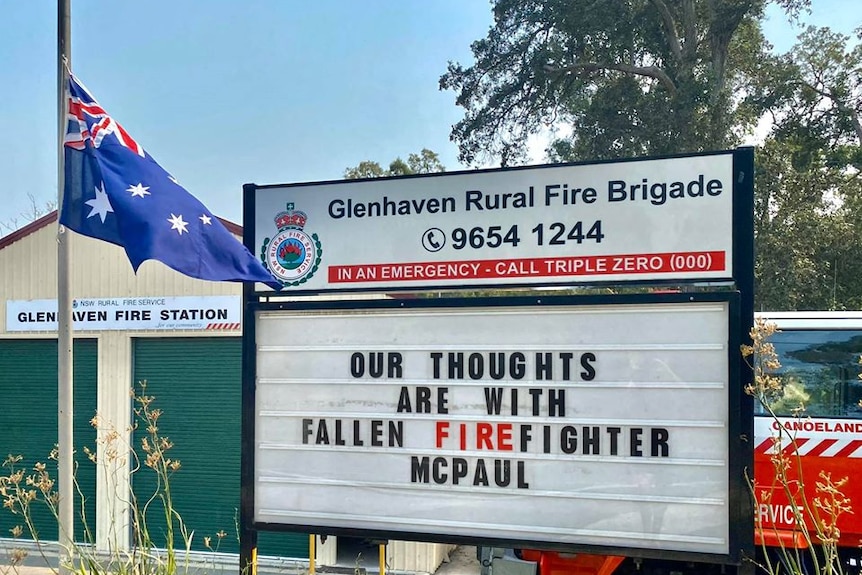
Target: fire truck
(819,353)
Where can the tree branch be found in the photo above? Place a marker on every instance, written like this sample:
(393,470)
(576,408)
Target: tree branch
(648,71)
(689,17)
(840,105)
(670,28)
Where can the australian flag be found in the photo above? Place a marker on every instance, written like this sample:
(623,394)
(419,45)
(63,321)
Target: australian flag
(115,191)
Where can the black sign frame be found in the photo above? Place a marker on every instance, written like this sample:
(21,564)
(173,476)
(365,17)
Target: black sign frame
(739,292)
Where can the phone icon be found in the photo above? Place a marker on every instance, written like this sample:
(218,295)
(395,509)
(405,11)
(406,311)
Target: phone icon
(433,239)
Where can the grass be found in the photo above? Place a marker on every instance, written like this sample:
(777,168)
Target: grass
(160,539)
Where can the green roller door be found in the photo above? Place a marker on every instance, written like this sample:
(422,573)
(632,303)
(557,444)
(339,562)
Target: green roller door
(28,418)
(196,382)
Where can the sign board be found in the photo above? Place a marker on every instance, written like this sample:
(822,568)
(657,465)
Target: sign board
(591,425)
(640,220)
(129,313)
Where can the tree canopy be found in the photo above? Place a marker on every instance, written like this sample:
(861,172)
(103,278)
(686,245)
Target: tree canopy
(611,79)
(425,162)
(808,200)
(623,78)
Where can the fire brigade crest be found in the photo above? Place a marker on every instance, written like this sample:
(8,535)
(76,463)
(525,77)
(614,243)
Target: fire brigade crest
(292,255)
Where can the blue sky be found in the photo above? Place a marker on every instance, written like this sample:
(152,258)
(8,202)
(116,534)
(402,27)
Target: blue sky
(226,92)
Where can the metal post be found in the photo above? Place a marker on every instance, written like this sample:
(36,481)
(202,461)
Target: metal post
(64,311)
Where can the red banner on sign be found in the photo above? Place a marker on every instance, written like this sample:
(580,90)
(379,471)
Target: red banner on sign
(561,267)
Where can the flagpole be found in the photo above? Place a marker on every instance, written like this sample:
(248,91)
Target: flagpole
(65,469)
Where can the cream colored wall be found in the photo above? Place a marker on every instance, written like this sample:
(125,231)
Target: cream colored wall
(413,556)
(28,268)
(112,479)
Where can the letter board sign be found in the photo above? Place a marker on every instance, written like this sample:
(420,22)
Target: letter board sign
(557,424)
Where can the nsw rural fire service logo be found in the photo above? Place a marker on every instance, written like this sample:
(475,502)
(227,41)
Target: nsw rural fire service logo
(292,255)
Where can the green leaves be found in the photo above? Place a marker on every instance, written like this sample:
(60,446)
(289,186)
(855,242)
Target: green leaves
(425,162)
(809,193)
(615,78)
(611,78)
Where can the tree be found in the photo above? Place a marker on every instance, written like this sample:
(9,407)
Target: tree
(648,77)
(628,77)
(813,95)
(425,162)
(808,209)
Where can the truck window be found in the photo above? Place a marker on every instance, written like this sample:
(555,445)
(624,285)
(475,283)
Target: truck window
(820,369)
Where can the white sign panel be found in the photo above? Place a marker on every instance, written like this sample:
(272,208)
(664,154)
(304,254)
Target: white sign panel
(612,222)
(136,313)
(593,425)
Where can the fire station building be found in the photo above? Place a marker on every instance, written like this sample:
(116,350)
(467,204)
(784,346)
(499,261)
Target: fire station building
(179,335)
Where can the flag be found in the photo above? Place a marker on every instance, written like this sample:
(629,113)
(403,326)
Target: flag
(116,192)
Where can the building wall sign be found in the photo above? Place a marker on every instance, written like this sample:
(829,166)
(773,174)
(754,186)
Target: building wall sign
(216,313)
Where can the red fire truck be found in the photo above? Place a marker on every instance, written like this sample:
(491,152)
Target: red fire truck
(820,355)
